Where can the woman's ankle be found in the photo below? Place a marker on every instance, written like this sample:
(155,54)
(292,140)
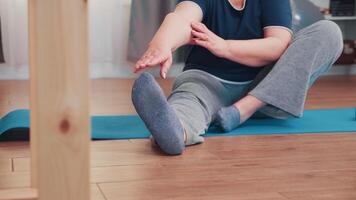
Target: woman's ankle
(247,106)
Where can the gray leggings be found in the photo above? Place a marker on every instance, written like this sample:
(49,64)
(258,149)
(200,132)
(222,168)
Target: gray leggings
(197,95)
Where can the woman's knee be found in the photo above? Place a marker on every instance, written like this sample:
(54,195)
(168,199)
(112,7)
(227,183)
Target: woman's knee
(324,35)
(330,33)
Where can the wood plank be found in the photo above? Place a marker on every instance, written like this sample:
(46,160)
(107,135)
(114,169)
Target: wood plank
(138,152)
(332,148)
(21,164)
(182,191)
(5,165)
(192,186)
(96,194)
(32,194)
(10,182)
(126,153)
(248,164)
(59,98)
(14,95)
(341,173)
(210,171)
(19,194)
(344,194)
(14,149)
(14,180)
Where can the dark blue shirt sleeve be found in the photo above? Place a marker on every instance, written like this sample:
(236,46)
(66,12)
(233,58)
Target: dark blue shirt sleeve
(276,13)
(201,3)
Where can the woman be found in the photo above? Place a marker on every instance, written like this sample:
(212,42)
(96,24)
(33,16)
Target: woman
(244,60)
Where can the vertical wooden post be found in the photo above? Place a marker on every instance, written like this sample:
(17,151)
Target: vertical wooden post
(59,98)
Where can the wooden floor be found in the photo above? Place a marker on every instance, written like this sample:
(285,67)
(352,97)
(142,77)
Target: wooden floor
(275,167)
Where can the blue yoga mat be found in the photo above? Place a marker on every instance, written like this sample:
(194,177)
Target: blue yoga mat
(131,127)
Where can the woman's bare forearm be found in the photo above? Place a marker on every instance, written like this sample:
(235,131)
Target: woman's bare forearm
(255,53)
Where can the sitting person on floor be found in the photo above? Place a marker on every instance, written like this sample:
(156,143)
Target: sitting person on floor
(246,61)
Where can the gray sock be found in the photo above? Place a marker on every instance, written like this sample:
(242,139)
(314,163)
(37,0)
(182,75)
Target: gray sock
(158,116)
(228,118)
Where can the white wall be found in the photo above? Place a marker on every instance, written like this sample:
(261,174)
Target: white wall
(109,25)
(13,15)
(109,21)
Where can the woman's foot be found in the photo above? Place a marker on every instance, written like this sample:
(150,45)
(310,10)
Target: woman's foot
(158,116)
(229,118)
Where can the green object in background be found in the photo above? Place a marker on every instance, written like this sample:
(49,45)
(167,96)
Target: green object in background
(15,125)
(305,13)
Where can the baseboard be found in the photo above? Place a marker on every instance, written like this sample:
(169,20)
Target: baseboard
(19,72)
(125,70)
(343,70)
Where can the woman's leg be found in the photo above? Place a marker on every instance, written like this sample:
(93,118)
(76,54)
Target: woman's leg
(196,97)
(282,92)
(313,52)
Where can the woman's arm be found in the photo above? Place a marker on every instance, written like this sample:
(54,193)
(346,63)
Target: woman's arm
(174,32)
(254,53)
(259,52)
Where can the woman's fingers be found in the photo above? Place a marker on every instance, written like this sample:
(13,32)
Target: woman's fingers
(155,61)
(199,35)
(153,57)
(151,61)
(141,63)
(145,60)
(202,43)
(138,66)
(200,27)
(165,67)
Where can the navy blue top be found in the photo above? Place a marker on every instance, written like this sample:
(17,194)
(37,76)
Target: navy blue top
(229,23)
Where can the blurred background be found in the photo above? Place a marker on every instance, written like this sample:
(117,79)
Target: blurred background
(121,29)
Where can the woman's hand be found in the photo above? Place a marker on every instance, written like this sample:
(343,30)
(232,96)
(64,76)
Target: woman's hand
(203,37)
(155,55)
